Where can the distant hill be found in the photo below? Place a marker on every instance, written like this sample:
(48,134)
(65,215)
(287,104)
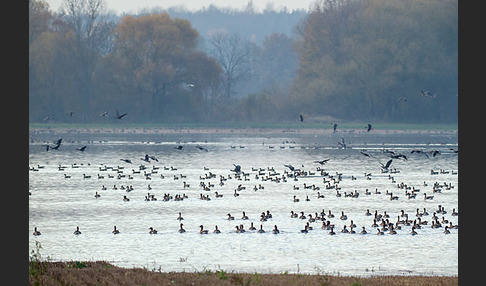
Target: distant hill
(249,24)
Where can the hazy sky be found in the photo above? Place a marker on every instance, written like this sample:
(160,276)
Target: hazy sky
(133,6)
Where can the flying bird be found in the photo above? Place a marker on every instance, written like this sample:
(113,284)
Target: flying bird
(420,152)
(152,157)
(127,160)
(292,168)
(400,99)
(323,162)
(342,143)
(201,148)
(369,127)
(364,153)
(385,167)
(146,158)
(398,156)
(81,148)
(56,146)
(428,93)
(104,113)
(119,116)
(237,168)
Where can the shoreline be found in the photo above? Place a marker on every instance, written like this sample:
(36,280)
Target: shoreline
(224,130)
(102,272)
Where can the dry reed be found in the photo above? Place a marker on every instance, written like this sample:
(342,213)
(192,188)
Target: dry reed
(104,273)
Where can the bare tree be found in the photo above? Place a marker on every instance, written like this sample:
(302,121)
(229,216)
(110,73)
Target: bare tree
(92,38)
(232,53)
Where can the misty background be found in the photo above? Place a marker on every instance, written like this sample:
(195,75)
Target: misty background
(339,60)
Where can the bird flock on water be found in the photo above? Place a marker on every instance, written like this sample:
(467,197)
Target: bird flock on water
(326,218)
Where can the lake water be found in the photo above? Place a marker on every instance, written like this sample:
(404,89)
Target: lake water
(58,204)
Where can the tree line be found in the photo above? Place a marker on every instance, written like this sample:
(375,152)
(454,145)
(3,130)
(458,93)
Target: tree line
(346,60)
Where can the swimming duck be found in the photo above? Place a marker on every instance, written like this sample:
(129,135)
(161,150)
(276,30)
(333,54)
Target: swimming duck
(252,227)
(418,214)
(275,230)
(343,216)
(367,212)
(77,232)
(446,230)
(363,231)
(230,217)
(125,199)
(344,230)
(152,230)
(269,215)
(36,232)
(263,217)
(330,215)
(180,217)
(216,230)
(244,217)
(181,230)
(311,219)
(308,226)
(331,232)
(261,229)
(203,231)
(97,195)
(302,216)
(428,197)
(454,213)
(296,200)
(380,232)
(374,223)
(115,231)
(397,226)
(420,222)
(392,197)
(413,232)
(325,225)
(241,229)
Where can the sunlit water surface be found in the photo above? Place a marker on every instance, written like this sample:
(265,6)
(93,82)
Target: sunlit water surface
(58,204)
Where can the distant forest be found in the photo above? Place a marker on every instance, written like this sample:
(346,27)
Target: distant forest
(341,60)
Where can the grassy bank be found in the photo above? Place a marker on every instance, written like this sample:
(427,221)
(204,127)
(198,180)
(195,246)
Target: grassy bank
(104,273)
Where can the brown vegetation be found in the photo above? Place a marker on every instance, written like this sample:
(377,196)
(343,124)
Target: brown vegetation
(104,273)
